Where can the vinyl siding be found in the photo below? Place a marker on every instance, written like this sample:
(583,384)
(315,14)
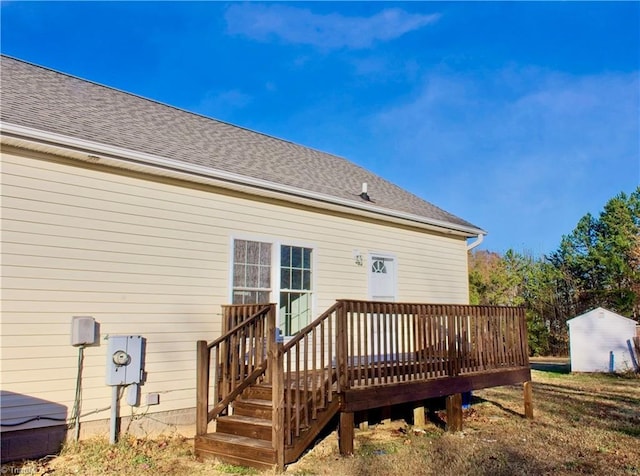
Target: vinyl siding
(151,258)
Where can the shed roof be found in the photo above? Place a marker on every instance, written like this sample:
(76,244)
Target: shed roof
(602,312)
(45,100)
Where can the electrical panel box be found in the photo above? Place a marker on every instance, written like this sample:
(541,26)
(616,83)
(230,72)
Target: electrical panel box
(124,360)
(83,330)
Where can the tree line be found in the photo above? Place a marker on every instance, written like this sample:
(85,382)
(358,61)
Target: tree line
(597,264)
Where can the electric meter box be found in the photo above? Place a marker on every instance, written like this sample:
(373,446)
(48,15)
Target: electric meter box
(124,360)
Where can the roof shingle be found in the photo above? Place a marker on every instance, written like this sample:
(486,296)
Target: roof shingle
(50,101)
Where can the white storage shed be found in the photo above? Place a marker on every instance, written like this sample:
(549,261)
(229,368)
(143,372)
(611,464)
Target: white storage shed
(602,341)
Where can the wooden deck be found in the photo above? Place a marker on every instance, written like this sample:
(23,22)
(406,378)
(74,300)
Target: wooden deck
(269,400)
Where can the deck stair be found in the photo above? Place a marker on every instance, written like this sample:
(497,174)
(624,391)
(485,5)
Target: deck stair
(244,437)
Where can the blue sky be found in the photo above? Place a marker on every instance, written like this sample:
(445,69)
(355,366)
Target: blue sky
(519,117)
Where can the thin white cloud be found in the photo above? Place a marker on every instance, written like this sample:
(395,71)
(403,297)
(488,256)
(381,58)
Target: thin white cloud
(329,31)
(520,150)
(539,112)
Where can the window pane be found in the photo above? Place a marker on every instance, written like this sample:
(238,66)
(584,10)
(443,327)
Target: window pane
(265,254)
(295,311)
(285,314)
(306,280)
(239,297)
(379,267)
(285,256)
(285,278)
(296,257)
(239,251)
(253,252)
(250,297)
(265,277)
(262,297)
(239,280)
(253,276)
(306,261)
(296,279)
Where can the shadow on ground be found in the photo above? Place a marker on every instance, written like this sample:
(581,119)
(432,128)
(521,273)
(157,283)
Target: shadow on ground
(560,367)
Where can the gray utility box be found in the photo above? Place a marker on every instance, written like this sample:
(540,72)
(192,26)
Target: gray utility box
(83,331)
(124,360)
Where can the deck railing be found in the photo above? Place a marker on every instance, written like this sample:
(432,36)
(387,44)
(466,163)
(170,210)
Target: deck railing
(396,342)
(353,344)
(238,359)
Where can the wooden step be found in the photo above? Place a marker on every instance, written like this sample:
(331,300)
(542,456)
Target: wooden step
(242,425)
(253,407)
(258,392)
(234,449)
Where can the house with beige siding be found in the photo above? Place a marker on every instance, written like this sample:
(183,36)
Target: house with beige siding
(148,219)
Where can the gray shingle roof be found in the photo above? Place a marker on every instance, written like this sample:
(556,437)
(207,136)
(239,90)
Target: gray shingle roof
(50,101)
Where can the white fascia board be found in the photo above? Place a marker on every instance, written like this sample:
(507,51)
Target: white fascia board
(153,164)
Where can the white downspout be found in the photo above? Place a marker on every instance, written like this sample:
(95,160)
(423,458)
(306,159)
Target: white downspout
(473,244)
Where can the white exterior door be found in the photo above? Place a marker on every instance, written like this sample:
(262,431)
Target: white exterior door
(382,287)
(382,278)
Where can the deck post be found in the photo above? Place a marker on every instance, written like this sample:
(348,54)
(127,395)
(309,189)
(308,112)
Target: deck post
(275,368)
(419,415)
(454,412)
(345,433)
(364,420)
(270,338)
(385,415)
(528,400)
(341,347)
(202,387)
(452,360)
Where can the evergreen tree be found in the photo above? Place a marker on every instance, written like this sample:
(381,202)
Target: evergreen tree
(600,259)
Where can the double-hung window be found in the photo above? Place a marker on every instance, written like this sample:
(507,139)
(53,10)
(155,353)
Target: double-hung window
(295,288)
(253,276)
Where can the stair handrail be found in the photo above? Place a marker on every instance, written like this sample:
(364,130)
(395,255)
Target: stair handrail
(263,335)
(288,386)
(308,328)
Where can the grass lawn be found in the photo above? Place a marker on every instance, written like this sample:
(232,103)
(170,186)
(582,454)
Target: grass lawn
(584,424)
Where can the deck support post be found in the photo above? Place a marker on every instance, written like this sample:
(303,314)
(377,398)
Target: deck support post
(345,433)
(454,412)
(419,415)
(528,400)
(202,387)
(364,420)
(386,415)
